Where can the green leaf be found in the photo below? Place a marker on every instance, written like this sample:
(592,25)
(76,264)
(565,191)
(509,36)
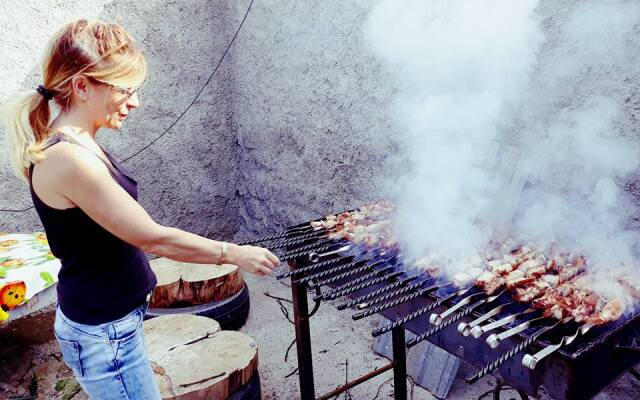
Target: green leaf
(48,279)
(61,384)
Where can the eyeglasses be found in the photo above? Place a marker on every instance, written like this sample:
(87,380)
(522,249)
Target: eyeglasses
(128,92)
(125,91)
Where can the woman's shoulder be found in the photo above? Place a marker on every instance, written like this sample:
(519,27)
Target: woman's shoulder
(66,158)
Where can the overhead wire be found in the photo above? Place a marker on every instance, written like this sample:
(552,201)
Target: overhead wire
(206,83)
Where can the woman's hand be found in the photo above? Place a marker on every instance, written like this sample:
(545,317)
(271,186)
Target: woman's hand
(253,259)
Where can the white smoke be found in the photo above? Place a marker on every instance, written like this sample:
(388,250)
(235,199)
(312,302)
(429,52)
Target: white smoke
(461,66)
(575,153)
(505,130)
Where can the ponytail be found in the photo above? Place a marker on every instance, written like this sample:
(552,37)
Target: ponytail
(27,122)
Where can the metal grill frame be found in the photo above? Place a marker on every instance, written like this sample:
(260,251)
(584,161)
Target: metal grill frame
(565,375)
(562,376)
(305,355)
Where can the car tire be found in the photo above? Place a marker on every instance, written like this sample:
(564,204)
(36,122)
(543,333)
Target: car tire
(251,391)
(231,312)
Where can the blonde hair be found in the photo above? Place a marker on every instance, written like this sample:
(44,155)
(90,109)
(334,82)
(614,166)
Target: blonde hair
(102,51)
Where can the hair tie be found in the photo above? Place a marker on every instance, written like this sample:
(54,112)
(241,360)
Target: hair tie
(47,94)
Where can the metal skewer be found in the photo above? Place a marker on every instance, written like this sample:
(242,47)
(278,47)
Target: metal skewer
(409,297)
(296,240)
(289,233)
(319,246)
(377,292)
(368,265)
(360,286)
(333,270)
(316,255)
(465,328)
(309,268)
(388,296)
(436,319)
(517,349)
(298,254)
(373,273)
(479,330)
(494,339)
(320,265)
(315,245)
(530,361)
(448,322)
(308,243)
(361,258)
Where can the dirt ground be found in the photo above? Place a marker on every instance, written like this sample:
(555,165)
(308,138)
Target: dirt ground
(37,371)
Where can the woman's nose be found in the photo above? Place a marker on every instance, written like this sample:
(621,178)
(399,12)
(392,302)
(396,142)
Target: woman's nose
(133,101)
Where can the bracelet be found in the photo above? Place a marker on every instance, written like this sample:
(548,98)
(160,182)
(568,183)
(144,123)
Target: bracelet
(223,253)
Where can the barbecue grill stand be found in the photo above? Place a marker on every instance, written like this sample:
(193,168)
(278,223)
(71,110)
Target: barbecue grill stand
(305,360)
(631,346)
(500,386)
(568,374)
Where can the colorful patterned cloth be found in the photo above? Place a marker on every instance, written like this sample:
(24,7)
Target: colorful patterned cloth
(25,259)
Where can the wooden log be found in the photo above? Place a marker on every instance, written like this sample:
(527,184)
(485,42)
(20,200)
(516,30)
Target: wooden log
(169,331)
(192,359)
(185,284)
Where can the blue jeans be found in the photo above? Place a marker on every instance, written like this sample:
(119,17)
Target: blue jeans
(108,360)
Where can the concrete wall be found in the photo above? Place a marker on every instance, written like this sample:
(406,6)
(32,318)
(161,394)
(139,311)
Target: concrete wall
(189,177)
(310,107)
(296,123)
(313,107)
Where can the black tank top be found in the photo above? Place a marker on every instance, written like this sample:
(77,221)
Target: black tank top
(102,277)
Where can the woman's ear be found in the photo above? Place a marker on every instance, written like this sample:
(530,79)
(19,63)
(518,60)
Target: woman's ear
(80,85)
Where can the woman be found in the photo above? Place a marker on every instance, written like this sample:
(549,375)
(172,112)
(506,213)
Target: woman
(87,203)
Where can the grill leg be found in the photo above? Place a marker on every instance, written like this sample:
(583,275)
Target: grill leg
(500,386)
(399,364)
(303,341)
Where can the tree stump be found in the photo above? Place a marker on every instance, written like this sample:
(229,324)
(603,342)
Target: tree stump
(193,359)
(185,284)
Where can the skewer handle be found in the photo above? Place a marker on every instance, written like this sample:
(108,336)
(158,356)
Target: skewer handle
(502,359)
(531,361)
(494,340)
(479,330)
(465,329)
(439,327)
(436,319)
(517,349)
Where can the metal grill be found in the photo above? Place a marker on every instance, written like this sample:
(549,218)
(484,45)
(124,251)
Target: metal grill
(542,357)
